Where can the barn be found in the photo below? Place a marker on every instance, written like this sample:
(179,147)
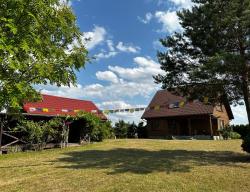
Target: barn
(170,116)
(50,107)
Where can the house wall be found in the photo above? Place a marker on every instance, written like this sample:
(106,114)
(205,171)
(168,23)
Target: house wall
(222,118)
(183,126)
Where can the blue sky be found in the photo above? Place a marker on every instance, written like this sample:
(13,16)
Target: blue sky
(124,39)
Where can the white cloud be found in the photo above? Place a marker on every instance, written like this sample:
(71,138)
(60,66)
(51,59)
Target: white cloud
(143,72)
(95,37)
(127,48)
(148,17)
(183,3)
(119,104)
(110,45)
(169,20)
(113,51)
(107,76)
(240,114)
(105,55)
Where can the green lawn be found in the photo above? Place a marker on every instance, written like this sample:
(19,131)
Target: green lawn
(130,165)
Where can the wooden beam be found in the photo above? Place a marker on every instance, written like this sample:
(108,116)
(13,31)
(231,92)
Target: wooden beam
(211,125)
(189,127)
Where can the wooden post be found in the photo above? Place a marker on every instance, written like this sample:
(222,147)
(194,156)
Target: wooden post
(1,136)
(189,127)
(211,125)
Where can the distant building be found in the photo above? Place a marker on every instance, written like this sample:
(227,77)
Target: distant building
(168,115)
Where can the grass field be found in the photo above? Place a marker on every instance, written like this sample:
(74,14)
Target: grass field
(130,165)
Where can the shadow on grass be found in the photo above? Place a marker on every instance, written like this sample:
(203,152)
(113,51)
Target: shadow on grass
(121,160)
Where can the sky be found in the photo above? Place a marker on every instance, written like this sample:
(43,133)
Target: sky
(124,41)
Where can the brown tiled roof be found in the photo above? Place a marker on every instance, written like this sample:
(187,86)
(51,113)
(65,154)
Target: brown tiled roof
(163,98)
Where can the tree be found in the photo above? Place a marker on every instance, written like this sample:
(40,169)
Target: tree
(211,56)
(132,130)
(121,129)
(40,43)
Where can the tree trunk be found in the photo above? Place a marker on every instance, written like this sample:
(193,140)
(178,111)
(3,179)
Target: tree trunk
(1,135)
(246,99)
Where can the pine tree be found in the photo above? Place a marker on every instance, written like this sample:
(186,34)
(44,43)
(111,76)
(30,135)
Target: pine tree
(211,56)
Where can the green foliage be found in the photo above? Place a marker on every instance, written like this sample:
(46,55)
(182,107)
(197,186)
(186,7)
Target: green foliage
(211,56)
(40,43)
(141,130)
(246,143)
(124,129)
(121,129)
(93,127)
(228,133)
(243,130)
(234,135)
(132,131)
(40,132)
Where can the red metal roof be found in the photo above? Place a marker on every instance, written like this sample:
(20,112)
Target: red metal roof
(164,98)
(54,105)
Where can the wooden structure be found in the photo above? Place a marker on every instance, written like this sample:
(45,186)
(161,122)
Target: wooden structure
(48,108)
(191,119)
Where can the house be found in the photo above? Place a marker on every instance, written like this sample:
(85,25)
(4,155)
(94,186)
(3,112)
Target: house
(168,115)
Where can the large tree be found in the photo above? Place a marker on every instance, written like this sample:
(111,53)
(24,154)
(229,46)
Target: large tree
(40,43)
(211,56)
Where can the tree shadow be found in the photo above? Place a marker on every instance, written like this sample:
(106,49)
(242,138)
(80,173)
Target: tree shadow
(140,161)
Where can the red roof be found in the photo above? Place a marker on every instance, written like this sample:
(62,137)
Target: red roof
(164,98)
(54,105)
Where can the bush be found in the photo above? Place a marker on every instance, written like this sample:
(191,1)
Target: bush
(39,133)
(246,143)
(243,130)
(93,128)
(226,132)
(234,135)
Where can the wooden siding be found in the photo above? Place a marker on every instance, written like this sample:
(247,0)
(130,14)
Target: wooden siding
(181,126)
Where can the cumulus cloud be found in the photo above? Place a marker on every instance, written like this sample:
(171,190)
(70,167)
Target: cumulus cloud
(95,37)
(107,76)
(169,20)
(143,72)
(127,48)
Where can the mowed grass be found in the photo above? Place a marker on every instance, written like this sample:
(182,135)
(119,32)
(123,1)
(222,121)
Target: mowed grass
(130,165)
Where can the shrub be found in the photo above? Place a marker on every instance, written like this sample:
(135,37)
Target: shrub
(40,132)
(234,135)
(243,130)
(246,143)
(226,132)
(93,127)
